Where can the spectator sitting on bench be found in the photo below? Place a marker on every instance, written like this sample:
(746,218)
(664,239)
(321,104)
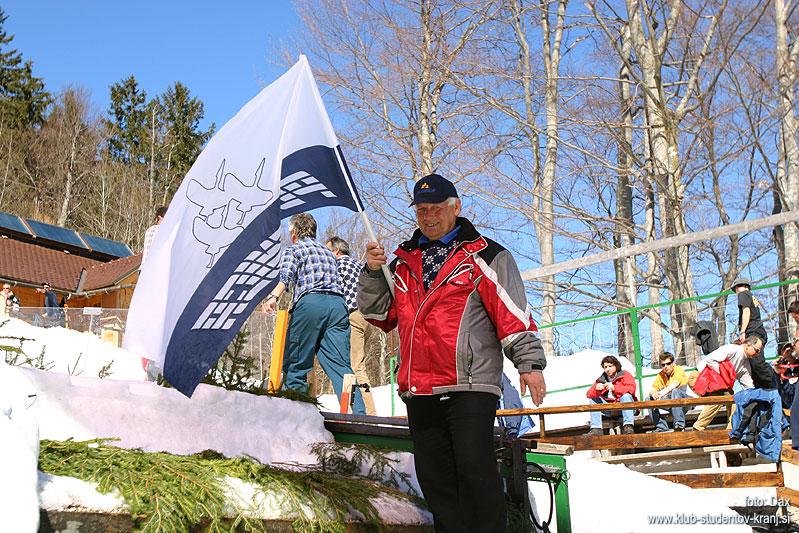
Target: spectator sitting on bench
(738,355)
(670,384)
(613,385)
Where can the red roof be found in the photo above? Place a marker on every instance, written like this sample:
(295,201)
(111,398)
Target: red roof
(111,273)
(28,263)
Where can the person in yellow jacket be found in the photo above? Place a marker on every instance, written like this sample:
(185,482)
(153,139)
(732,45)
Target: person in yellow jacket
(669,384)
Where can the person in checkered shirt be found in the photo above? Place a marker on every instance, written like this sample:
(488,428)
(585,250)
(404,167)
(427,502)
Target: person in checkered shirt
(348,271)
(319,322)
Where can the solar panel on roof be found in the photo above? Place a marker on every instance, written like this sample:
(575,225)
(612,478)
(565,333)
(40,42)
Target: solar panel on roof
(56,233)
(107,246)
(13,223)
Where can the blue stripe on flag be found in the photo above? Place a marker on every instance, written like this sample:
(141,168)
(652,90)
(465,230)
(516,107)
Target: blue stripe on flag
(312,178)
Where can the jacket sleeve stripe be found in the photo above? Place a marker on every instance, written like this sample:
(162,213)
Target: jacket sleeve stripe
(380,317)
(507,301)
(510,339)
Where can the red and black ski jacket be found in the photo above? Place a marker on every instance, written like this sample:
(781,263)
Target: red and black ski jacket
(453,335)
(623,383)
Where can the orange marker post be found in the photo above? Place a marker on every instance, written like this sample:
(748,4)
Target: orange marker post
(278,348)
(346,393)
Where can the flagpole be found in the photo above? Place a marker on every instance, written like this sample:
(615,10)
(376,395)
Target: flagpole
(366,222)
(383,267)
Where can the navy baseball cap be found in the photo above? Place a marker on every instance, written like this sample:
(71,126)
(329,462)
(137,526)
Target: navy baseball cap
(433,189)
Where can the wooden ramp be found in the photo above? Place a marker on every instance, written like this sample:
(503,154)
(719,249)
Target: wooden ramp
(683,439)
(686,446)
(726,480)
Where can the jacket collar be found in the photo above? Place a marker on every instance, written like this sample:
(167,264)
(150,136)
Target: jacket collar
(605,379)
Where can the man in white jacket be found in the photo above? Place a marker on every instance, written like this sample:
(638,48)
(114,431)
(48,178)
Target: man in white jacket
(738,355)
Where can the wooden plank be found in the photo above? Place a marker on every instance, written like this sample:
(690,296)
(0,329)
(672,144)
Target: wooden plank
(789,495)
(616,406)
(679,439)
(682,453)
(747,226)
(366,419)
(789,455)
(726,480)
(367,429)
(547,447)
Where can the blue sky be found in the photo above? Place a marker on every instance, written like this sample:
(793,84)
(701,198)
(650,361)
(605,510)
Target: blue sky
(222,51)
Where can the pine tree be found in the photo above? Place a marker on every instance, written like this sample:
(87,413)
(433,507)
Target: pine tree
(127,122)
(184,140)
(23,98)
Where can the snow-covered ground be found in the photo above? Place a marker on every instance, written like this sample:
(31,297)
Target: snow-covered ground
(142,414)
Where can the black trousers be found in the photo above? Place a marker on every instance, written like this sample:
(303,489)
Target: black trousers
(455,461)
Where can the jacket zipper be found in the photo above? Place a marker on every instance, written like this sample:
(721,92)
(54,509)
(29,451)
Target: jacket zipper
(470,360)
(421,304)
(413,327)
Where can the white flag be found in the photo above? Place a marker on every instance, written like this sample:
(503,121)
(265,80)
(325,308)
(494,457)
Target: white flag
(217,251)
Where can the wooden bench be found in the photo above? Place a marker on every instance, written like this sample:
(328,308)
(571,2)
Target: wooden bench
(541,412)
(660,445)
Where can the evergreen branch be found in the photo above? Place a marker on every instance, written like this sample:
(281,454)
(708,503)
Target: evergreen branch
(167,492)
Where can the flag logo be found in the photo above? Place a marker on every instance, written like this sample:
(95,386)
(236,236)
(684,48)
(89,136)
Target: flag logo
(223,208)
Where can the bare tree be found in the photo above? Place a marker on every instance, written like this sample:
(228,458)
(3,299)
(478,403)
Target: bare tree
(388,69)
(786,183)
(71,140)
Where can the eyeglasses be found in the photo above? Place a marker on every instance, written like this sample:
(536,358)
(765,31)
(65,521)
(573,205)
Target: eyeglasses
(669,363)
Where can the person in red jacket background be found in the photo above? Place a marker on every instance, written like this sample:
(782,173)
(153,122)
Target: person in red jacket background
(613,385)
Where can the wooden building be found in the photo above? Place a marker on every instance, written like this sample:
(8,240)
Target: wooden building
(86,270)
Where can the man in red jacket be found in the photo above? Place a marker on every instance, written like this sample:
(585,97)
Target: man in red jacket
(459,304)
(613,385)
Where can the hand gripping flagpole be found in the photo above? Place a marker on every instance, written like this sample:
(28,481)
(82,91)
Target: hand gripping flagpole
(366,222)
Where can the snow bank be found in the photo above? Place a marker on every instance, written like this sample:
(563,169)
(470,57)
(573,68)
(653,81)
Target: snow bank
(145,415)
(61,493)
(19,455)
(72,352)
